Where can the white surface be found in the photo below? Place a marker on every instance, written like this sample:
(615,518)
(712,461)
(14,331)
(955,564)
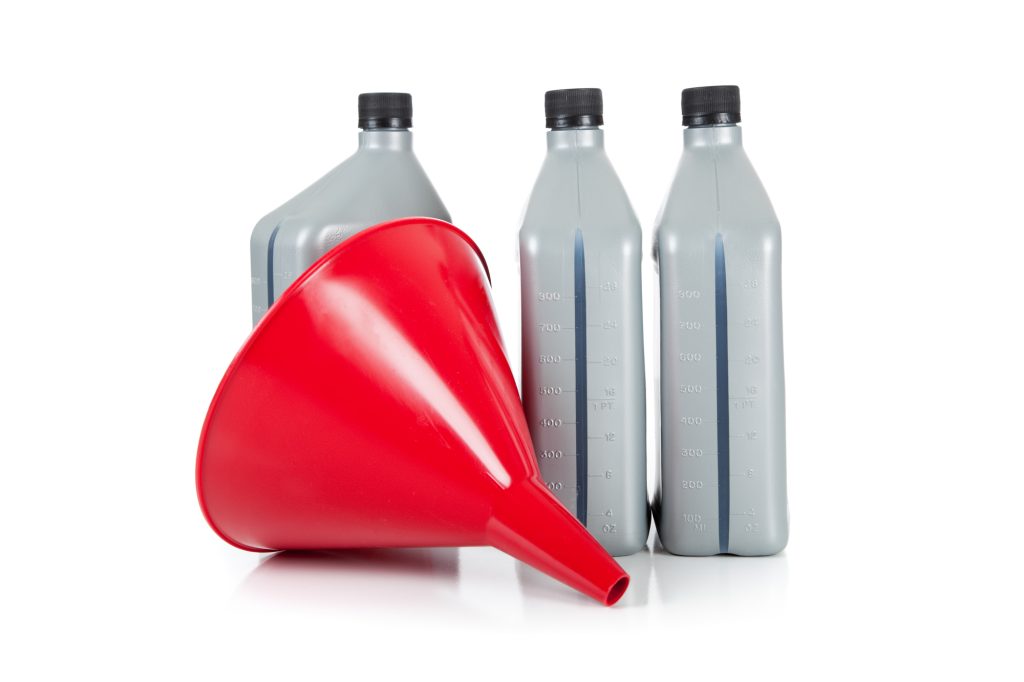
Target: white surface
(138,146)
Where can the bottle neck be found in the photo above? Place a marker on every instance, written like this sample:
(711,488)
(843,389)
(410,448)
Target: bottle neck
(576,138)
(713,136)
(394,139)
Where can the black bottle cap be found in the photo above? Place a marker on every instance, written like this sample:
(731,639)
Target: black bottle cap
(385,110)
(712,105)
(574,108)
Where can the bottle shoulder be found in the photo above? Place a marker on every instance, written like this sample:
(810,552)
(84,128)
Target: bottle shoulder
(716,192)
(370,186)
(579,191)
(269,222)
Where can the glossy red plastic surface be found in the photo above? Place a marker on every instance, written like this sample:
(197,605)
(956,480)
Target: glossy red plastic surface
(373,406)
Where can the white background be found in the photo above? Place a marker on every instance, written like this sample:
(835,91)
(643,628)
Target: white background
(139,145)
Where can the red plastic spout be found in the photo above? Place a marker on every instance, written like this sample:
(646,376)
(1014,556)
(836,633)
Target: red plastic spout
(546,536)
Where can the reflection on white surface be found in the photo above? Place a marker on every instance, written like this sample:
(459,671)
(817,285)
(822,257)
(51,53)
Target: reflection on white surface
(722,581)
(358,577)
(476,582)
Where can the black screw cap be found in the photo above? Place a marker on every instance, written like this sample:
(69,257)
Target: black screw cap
(574,108)
(385,110)
(711,105)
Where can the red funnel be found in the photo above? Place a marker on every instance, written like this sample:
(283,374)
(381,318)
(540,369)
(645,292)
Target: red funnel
(373,407)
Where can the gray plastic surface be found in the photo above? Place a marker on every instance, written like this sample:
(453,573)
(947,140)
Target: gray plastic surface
(382,181)
(580,258)
(718,201)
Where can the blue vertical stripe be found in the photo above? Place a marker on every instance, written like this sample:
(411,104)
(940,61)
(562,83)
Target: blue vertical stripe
(580,285)
(722,394)
(270,267)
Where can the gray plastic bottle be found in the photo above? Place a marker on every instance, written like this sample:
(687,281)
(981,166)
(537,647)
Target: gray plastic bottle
(722,468)
(382,181)
(583,363)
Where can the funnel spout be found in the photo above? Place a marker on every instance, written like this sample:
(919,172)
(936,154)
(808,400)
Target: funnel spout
(546,536)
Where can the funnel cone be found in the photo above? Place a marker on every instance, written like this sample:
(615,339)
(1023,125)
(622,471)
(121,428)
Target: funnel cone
(373,406)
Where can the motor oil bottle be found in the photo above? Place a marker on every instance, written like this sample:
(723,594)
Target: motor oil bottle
(382,181)
(582,332)
(722,442)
